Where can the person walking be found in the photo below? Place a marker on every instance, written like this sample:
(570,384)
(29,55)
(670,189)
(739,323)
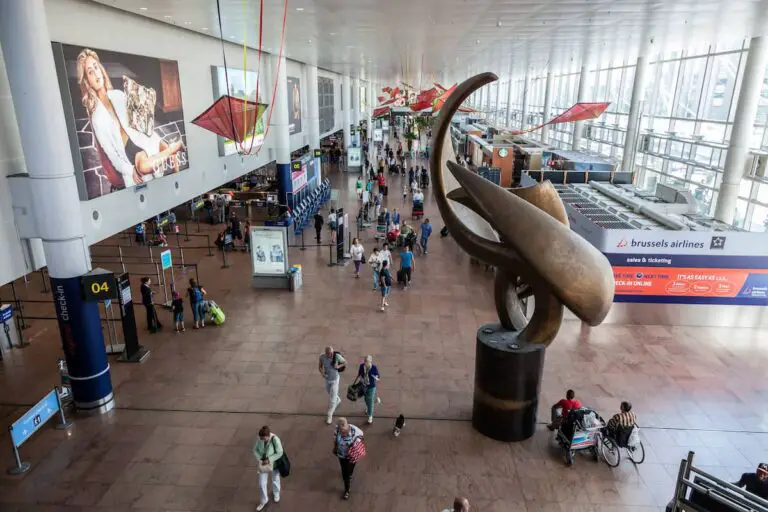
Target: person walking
(396,217)
(407,265)
(268,450)
(377,200)
(221,210)
(153,323)
(344,438)
(385,282)
(368,375)
(375,262)
(460,504)
(426,232)
(177,305)
(331,362)
(319,221)
(196,295)
(332,224)
(386,255)
(357,252)
(359,188)
(405,193)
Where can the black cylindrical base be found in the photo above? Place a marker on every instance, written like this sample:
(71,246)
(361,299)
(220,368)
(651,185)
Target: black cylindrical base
(507,384)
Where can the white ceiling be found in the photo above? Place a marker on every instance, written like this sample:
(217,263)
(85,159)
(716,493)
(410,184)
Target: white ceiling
(417,40)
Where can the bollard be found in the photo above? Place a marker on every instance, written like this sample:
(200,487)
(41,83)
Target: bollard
(120,253)
(197,218)
(197,275)
(181,251)
(302,241)
(151,257)
(178,244)
(224,257)
(186,231)
(208,239)
(157,272)
(45,282)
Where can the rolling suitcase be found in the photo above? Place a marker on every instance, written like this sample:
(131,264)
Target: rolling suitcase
(217,315)
(385,190)
(401,276)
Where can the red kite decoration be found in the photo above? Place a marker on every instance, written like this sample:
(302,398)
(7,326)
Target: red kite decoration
(381,111)
(230,117)
(578,112)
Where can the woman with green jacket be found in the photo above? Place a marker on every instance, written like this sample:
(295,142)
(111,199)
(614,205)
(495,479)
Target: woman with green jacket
(268,450)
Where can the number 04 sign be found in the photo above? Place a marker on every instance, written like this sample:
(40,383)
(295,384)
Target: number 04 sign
(98,285)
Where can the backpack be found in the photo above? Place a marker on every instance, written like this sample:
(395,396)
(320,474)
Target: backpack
(197,294)
(341,368)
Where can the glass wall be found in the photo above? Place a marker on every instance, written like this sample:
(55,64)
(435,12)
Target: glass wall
(685,122)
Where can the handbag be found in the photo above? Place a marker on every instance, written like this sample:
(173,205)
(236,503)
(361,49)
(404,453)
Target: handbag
(356,451)
(362,259)
(355,391)
(283,464)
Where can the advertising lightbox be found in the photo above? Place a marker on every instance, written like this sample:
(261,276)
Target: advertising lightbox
(269,254)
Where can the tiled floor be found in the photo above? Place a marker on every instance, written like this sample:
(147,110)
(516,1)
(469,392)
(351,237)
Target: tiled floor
(186,419)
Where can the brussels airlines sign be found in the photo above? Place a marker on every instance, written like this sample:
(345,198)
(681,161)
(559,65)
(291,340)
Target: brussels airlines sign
(685,242)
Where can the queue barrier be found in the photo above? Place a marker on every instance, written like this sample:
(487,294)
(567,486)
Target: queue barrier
(30,422)
(697,490)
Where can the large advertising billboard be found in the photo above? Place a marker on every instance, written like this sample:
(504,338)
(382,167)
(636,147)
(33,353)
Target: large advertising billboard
(127,116)
(688,267)
(241,85)
(294,105)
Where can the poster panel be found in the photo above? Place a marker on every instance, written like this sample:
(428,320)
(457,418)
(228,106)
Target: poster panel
(269,251)
(378,136)
(128,116)
(354,157)
(294,105)
(241,85)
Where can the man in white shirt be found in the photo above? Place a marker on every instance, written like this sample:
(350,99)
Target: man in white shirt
(221,202)
(385,255)
(330,364)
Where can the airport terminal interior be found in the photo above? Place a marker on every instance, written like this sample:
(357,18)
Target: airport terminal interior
(336,255)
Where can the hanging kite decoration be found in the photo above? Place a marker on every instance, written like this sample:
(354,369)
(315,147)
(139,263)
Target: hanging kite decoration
(240,119)
(418,101)
(578,112)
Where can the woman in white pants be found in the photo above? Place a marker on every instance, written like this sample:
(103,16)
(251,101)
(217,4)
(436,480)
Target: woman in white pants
(268,451)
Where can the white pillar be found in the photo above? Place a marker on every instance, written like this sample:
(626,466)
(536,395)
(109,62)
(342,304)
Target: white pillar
(496,108)
(34,86)
(547,108)
(281,140)
(371,106)
(345,110)
(356,102)
(743,121)
(508,123)
(313,109)
(578,126)
(633,122)
(526,86)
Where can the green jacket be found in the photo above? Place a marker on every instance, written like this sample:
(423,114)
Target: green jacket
(273,449)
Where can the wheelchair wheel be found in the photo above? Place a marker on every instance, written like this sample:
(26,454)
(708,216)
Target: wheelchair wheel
(610,452)
(636,453)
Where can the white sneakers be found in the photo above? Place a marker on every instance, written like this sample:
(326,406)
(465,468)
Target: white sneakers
(262,505)
(370,420)
(277,498)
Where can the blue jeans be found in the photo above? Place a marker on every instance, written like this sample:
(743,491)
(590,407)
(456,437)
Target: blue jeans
(197,311)
(424,243)
(375,279)
(370,399)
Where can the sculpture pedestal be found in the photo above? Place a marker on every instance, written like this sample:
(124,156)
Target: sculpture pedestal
(507,384)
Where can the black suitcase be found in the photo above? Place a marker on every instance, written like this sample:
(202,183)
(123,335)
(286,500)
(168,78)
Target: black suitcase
(401,276)
(385,190)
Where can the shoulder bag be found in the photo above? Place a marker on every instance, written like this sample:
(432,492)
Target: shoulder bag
(283,464)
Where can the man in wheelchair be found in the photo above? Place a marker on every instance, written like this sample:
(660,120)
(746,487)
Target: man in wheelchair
(620,426)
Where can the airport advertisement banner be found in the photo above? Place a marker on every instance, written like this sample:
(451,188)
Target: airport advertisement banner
(687,279)
(294,105)
(126,117)
(269,248)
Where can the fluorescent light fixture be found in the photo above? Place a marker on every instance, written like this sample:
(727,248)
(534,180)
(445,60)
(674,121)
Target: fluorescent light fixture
(299,9)
(204,28)
(142,8)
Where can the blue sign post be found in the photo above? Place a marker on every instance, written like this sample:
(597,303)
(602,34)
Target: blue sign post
(31,421)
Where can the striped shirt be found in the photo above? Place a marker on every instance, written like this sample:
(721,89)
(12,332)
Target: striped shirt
(622,419)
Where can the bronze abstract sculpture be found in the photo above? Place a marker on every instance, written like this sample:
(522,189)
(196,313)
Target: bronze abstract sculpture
(524,233)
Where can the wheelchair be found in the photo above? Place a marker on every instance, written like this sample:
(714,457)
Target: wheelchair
(620,439)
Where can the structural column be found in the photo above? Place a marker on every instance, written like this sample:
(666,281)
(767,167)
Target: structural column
(371,105)
(509,102)
(547,108)
(578,126)
(281,139)
(526,86)
(743,122)
(345,110)
(635,106)
(496,109)
(313,109)
(356,102)
(34,86)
